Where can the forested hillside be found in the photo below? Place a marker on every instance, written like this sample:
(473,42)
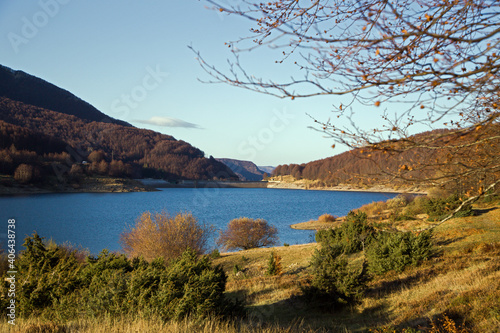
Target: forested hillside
(400,163)
(47,132)
(53,141)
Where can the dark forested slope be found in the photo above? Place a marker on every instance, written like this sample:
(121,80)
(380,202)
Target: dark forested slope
(29,89)
(145,152)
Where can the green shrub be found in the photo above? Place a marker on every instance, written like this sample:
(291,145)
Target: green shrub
(191,287)
(395,251)
(351,236)
(236,269)
(104,284)
(47,275)
(439,208)
(215,254)
(335,283)
(59,287)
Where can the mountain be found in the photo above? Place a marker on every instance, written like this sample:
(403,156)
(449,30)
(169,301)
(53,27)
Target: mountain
(246,170)
(267,169)
(28,89)
(77,140)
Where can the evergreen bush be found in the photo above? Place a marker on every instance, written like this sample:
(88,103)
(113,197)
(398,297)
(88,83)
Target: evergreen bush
(395,251)
(55,285)
(439,208)
(352,236)
(274,264)
(335,283)
(46,275)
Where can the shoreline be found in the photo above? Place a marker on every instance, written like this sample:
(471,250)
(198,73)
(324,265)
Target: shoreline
(317,225)
(121,185)
(88,185)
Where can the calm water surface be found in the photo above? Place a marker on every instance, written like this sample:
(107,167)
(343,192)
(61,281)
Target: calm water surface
(95,220)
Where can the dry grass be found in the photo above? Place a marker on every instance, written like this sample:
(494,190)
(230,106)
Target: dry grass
(462,282)
(294,259)
(374,208)
(107,325)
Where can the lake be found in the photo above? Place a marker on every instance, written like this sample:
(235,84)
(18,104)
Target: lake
(95,220)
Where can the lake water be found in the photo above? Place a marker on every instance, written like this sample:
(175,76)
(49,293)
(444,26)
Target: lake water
(95,220)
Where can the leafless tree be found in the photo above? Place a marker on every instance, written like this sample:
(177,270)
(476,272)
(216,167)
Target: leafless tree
(247,233)
(163,235)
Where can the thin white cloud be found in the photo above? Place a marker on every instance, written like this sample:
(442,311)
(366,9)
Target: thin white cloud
(168,122)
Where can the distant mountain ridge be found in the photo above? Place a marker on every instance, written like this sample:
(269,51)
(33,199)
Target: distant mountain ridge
(267,169)
(29,89)
(246,170)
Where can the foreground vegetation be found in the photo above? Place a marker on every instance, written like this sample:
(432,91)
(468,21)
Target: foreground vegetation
(453,288)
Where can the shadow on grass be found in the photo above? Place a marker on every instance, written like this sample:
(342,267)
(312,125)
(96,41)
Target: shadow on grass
(448,321)
(482,211)
(388,287)
(448,241)
(300,314)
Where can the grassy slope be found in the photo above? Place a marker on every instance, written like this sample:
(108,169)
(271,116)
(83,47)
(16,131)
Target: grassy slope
(462,281)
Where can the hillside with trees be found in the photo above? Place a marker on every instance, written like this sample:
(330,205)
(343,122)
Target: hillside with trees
(53,146)
(408,167)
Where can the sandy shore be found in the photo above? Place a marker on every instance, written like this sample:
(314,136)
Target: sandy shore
(343,188)
(317,225)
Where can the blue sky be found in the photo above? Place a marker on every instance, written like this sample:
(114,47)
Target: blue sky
(131,60)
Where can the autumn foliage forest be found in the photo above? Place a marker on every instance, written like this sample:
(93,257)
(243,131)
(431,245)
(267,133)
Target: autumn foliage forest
(52,143)
(38,144)
(417,166)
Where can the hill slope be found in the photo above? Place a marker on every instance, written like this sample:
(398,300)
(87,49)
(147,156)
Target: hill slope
(29,89)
